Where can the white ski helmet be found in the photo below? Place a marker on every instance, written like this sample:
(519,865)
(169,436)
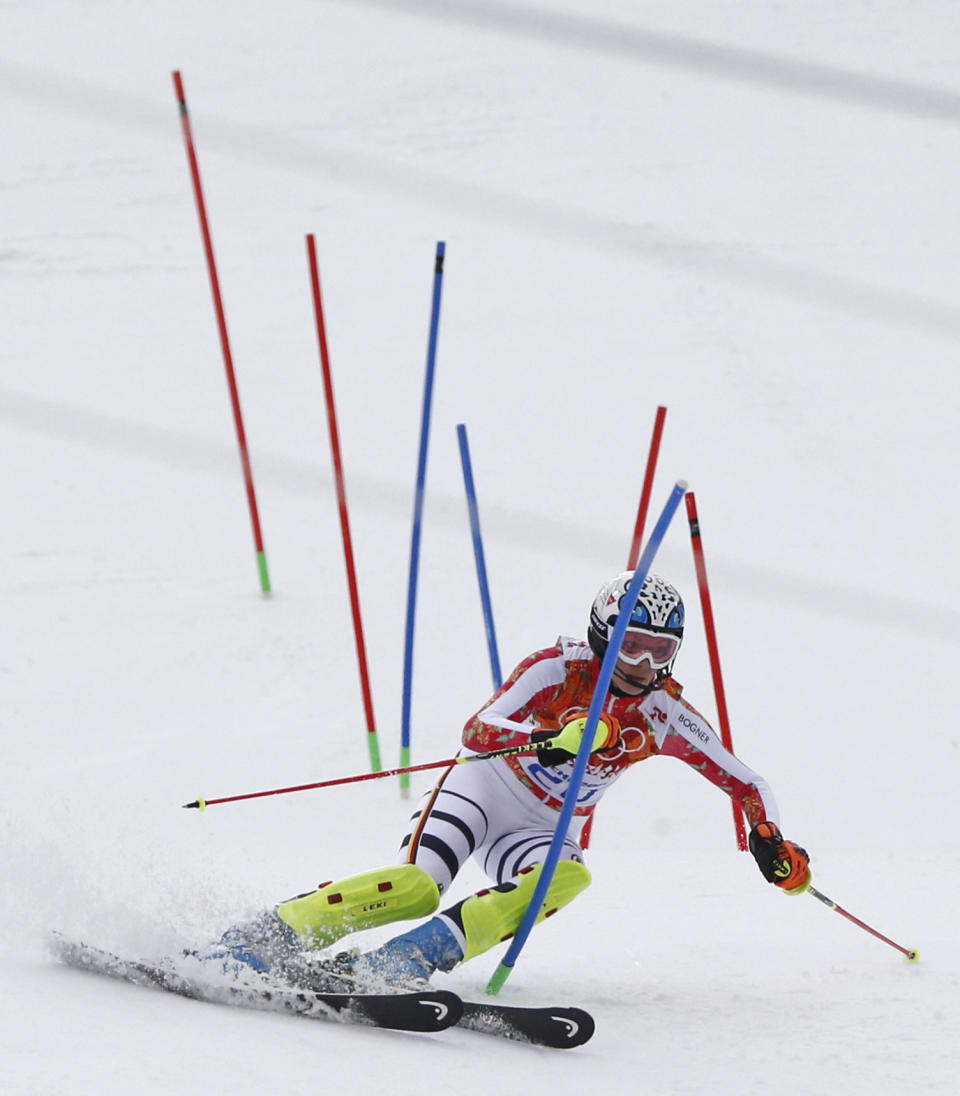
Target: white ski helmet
(657,613)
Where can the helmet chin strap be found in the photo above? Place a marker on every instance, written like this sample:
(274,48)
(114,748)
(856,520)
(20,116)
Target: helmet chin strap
(644,690)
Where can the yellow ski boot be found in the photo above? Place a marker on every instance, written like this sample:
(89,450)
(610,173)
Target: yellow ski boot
(396,893)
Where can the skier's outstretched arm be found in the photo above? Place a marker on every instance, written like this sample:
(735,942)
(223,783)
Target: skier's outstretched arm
(689,737)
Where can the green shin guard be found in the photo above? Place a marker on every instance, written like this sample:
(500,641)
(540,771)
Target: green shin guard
(396,893)
(494,915)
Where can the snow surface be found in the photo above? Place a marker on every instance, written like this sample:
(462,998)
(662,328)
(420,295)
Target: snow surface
(742,210)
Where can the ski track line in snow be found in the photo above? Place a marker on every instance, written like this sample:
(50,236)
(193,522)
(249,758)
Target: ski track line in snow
(520,528)
(725,262)
(620,40)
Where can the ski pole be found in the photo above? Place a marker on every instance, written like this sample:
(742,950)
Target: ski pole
(911,954)
(509,751)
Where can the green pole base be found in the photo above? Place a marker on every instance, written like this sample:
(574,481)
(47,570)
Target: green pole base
(500,975)
(405,777)
(264,573)
(374,746)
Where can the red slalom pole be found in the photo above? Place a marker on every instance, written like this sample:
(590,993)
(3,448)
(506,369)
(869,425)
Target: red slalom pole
(202,804)
(647,488)
(648,476)
(224,339)
(372,740)
(708,624)
(911,953)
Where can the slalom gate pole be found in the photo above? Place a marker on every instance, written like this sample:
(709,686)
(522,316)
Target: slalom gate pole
(509,751)
(224,339)
(647,487)
(478,555)
(911,954)
(724,719)
(610,657)
(417,521)
(373,743)
(641,521)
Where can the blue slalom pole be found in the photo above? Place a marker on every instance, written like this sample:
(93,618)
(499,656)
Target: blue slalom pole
(478,554)
(417,521)
(502,972)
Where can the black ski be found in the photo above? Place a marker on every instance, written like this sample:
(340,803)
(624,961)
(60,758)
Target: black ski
(427,1010)
(559,1027)
(546,1027)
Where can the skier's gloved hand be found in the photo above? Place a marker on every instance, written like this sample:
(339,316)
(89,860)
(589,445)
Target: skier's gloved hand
(562,745)
(782,862)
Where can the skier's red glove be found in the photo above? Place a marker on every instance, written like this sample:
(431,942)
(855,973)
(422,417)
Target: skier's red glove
(782,862)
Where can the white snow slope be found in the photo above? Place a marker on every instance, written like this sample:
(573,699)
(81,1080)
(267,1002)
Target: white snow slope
(742,210)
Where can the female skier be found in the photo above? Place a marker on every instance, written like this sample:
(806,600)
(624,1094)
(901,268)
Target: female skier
(503,811)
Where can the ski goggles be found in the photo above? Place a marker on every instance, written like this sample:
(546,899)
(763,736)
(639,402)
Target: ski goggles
(656,648)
